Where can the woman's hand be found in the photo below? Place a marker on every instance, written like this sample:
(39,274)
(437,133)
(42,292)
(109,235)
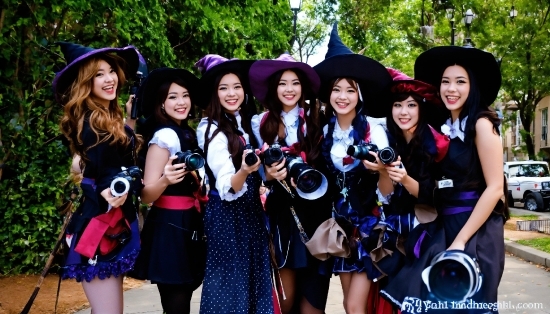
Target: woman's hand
(249,169)
(374,166)
(396,172)
(114,201)
(457,245)
(276,171)
(174,173)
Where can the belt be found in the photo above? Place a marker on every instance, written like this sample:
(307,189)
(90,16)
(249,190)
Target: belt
(177,202)
(461,196)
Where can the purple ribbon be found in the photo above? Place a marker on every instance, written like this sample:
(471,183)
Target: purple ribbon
(89,182)
(419,244)
(456,210)
(465,195)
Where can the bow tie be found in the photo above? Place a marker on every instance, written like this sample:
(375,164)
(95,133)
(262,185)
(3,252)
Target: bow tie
(454,129)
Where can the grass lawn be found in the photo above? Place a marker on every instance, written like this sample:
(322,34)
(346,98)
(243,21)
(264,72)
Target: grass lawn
(542,244)
(525,217)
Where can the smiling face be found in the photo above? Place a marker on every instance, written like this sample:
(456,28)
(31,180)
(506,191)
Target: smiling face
(289,90)
(177,103)
(104,84)
(230,92)
(405,114)
(455,88)
(344,97)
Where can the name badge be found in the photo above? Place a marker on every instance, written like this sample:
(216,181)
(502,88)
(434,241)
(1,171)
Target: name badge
(447,183)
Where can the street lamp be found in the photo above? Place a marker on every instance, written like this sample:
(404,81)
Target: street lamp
(295,6)
(451,16)
(468,21)
(513,13)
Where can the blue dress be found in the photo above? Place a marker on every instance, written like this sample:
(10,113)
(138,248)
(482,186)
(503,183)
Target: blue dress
(238,265)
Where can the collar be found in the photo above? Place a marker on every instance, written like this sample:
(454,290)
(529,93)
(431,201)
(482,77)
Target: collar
(290,118)
(454,129)
(342,135)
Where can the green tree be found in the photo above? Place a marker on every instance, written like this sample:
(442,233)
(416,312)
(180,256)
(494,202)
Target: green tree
(34,163)
(391,33)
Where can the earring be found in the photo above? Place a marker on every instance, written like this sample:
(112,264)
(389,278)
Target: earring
(162,109)
(246,99)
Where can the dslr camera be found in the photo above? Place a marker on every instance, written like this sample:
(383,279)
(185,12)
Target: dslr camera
(453,276)
(250,158)
(129,179)
(310,183)
(193,161)
(386,155)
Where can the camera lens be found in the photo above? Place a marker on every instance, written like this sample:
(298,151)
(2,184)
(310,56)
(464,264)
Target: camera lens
(362,151)
(250,159)
(120,186)
(449,280)
(309,181)
(194,161)
(387,155)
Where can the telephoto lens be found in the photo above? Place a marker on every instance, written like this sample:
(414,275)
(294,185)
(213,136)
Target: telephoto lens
(387,155)
(193,161)
(273,154)
(453,276)
(362,151)
(250,158)
(306,178)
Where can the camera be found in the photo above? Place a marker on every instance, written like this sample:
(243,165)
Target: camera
(193,161)
(453,276)
(133,91)
(250,158)
(273,154)
(126,180)
(307,179)
(386,155)
(362,151)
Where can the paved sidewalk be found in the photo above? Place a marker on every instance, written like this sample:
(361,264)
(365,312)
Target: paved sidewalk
(522,282)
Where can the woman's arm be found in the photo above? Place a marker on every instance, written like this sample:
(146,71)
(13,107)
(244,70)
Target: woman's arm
(489,149)
(159,173)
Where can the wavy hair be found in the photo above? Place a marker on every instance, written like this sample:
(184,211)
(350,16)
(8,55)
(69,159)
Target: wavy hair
(273,125)
(105,122)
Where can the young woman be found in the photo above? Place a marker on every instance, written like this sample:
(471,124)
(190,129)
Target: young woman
(282,86)
(471,210)
(352,84)
(406,185)
(173,251)
(99,253)
(237,278)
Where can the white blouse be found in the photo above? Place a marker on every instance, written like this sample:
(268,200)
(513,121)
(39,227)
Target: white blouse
(342,139)
(219,159)
(291,121)
(454,129)
(168,139)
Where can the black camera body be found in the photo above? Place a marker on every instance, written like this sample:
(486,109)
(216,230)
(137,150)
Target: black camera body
(273,154)
(129,179)
(193,161)
(386,155)
(250,158)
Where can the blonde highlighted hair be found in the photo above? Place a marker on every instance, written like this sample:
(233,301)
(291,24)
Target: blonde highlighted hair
(106,123)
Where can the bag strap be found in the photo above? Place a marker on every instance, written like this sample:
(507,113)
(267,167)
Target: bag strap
(303,235)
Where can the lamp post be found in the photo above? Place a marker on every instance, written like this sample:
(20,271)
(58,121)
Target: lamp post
(451,16)
(468,21)
(295,6)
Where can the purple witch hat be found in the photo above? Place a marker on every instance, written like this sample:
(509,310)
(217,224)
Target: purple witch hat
(76,54)
(212,66)
(262,70)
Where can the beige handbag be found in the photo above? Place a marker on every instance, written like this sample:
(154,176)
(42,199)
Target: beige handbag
(328,240)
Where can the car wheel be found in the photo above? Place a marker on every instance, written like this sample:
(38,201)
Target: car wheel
(534,202)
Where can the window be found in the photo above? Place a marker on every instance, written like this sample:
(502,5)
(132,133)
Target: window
(544,124)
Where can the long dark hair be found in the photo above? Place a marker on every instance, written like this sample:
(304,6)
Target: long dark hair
(271,127)
(227,123)
(475,110)
(416,143)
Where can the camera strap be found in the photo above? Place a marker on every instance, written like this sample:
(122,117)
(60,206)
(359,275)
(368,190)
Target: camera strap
(303,235)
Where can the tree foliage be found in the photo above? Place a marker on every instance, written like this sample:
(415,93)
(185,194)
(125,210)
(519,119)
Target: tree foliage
(391,33)
(34,162)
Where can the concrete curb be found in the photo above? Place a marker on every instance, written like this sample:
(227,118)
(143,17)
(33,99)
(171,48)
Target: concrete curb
(527,253)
